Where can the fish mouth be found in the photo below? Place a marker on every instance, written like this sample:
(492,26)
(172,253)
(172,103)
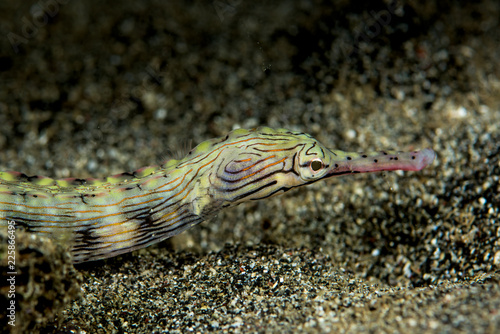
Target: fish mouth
(428,156)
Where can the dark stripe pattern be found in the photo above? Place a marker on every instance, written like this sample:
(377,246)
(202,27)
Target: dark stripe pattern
(98,219)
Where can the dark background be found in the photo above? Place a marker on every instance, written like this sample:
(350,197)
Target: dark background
(94,88)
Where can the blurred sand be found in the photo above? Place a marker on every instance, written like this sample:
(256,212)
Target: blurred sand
(104,87)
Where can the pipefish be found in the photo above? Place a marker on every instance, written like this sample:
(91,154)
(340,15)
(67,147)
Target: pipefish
(102,218)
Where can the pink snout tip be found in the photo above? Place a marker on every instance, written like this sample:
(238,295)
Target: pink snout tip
(428,156)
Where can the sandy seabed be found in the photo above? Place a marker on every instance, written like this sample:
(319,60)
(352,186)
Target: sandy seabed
(94,88)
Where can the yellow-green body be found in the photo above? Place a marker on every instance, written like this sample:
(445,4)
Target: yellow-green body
(103,218)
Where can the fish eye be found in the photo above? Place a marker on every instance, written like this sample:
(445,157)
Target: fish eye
(316,165)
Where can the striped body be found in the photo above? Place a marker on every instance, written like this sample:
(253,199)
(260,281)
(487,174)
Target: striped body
(103,218)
